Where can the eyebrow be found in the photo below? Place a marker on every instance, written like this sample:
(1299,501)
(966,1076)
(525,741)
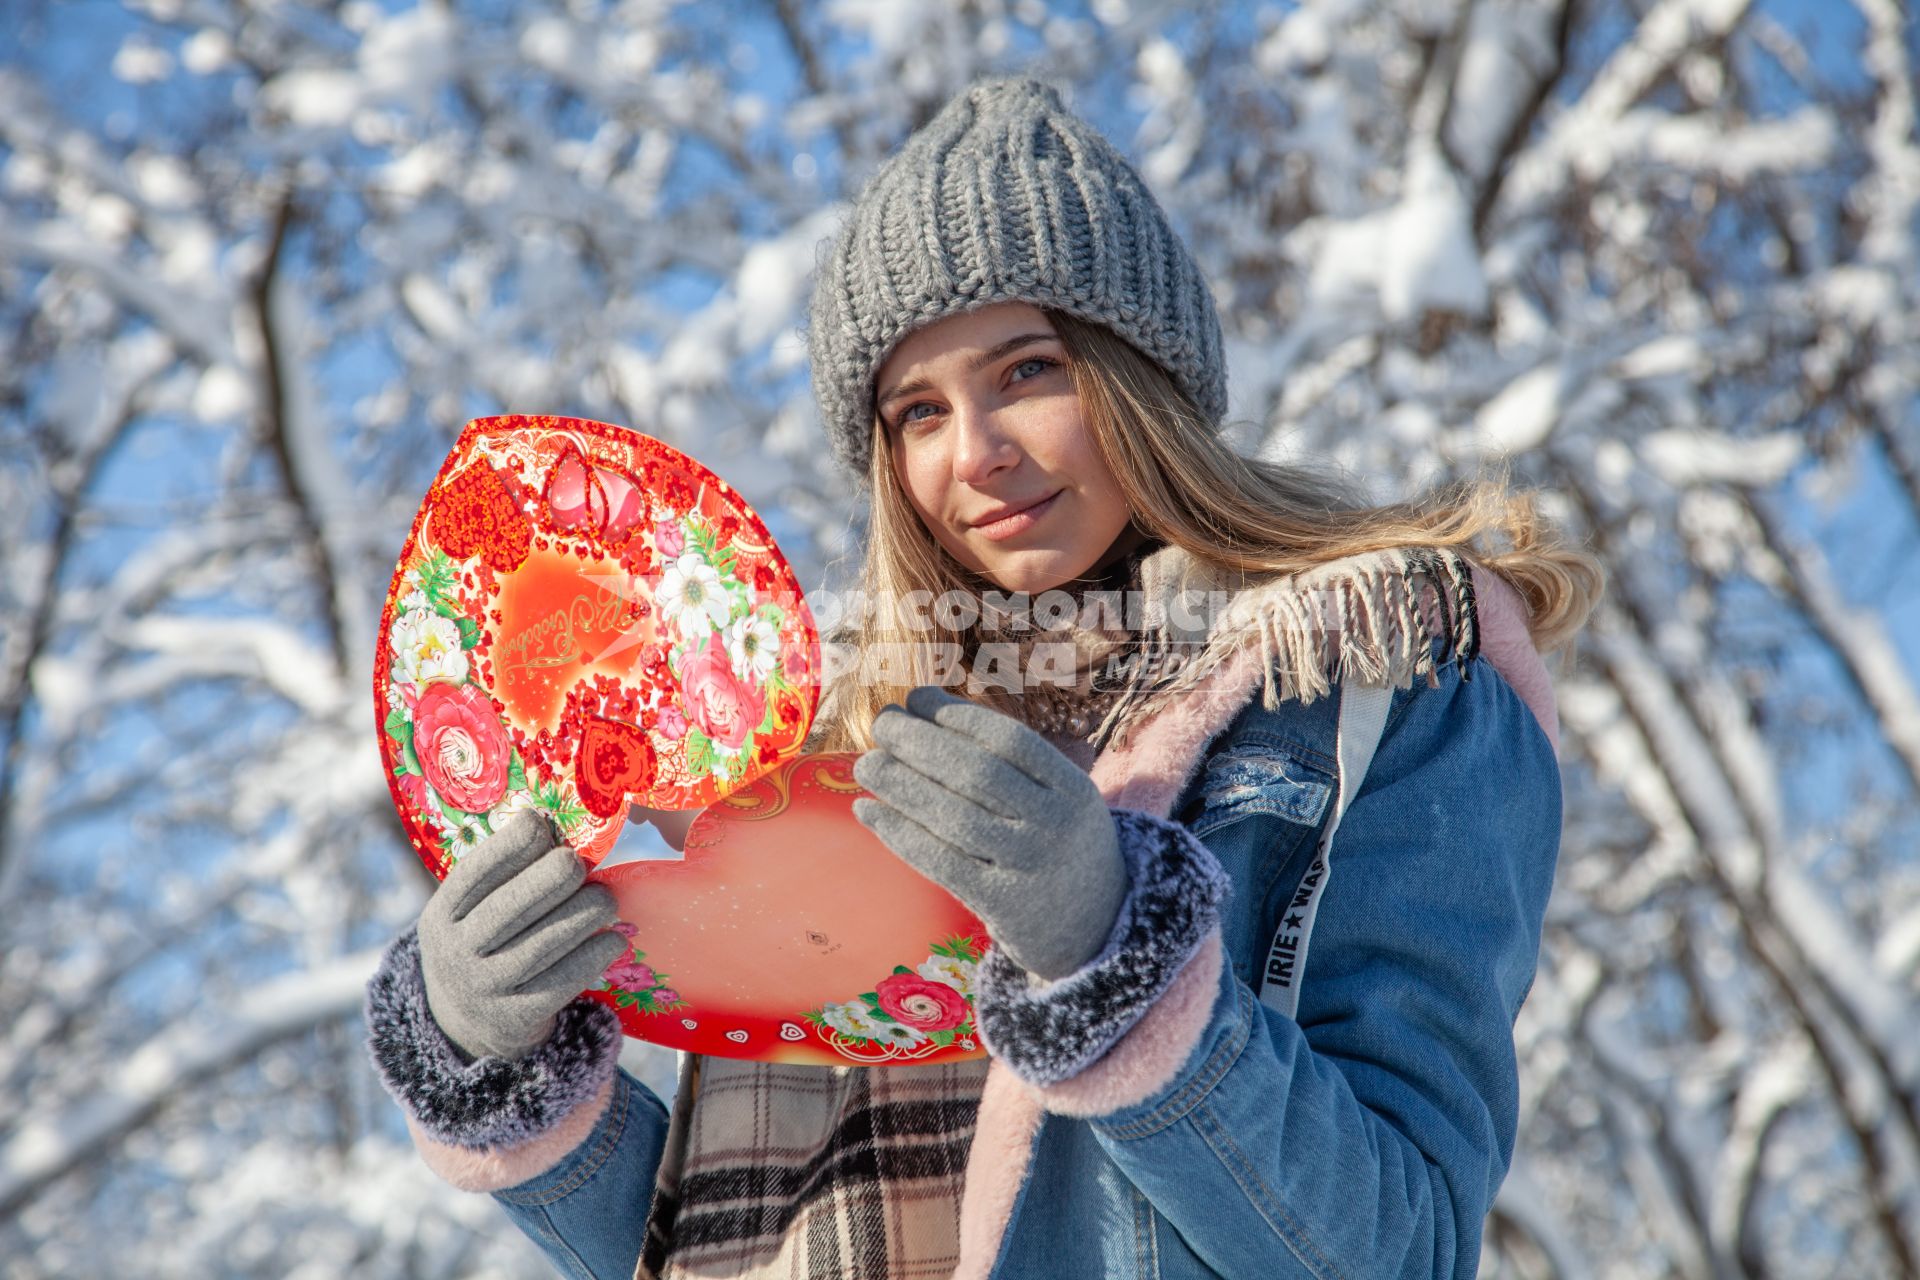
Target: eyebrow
(914,386)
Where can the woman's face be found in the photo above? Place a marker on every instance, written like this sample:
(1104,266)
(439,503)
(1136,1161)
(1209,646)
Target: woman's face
(989,445)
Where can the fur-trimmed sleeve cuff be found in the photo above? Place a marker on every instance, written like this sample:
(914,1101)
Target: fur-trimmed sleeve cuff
(1050,1032)
(484,1103)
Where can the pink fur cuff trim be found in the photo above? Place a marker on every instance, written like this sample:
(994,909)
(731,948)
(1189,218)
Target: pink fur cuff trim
(494,1168)
(1148,1058)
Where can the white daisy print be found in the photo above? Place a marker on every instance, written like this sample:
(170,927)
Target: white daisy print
(691,596)
(753,644)
(899,1034)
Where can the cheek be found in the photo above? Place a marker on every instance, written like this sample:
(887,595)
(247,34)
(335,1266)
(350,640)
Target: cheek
(1107,513)
(1058,434)
(1080,457)
(923,478)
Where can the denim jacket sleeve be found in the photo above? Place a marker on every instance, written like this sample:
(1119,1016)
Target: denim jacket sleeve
(565,1141)
(588,1213)
(1369,1136)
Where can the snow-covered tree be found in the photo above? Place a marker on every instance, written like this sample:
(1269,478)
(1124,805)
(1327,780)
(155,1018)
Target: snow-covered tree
(260,261)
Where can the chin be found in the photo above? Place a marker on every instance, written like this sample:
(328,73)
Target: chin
(1033,576)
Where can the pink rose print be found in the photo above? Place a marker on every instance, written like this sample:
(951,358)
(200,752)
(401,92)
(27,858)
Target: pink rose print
(625,930)
(629,974)
(672,725)
(666,996)
(921,1002)
(462,748)
(724,708)
(667,537)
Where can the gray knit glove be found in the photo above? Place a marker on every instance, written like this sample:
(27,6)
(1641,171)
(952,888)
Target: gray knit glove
(992,812)
(510,936)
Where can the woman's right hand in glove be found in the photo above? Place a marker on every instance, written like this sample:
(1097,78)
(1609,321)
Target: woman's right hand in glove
(511,935)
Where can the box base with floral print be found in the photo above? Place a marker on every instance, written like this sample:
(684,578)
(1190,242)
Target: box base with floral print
(788,932)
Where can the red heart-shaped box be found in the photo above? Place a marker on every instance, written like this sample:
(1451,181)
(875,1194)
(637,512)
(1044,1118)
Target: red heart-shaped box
(585,618)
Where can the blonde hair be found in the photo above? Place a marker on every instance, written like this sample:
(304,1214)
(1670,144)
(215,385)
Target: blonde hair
(1187,487)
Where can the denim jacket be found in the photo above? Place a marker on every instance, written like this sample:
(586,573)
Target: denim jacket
(1149,1115)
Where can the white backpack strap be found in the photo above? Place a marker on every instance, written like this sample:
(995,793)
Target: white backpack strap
(1363,715)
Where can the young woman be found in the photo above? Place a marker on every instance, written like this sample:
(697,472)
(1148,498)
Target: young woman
(1224,1042)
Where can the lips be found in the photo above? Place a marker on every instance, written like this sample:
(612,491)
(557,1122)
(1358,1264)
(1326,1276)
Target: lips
(1001,513)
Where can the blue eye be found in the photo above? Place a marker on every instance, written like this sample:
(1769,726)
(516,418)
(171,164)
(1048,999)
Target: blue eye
(1031,367)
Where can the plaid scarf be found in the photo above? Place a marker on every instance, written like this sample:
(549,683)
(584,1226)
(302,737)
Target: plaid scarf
(812,1173)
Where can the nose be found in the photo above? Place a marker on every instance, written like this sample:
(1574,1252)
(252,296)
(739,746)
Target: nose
(982,445)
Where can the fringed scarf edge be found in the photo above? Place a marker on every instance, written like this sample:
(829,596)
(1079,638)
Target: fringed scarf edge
(1370,618)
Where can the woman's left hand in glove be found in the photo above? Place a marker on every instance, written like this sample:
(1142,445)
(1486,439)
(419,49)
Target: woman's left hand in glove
(992,812)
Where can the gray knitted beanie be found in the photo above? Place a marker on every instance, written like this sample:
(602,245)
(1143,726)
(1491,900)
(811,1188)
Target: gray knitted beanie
(1005,196)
